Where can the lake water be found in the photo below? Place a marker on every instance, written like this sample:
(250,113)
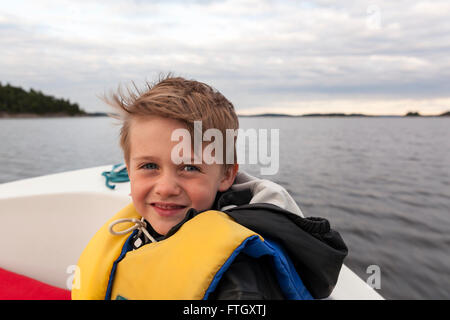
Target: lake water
(384,183)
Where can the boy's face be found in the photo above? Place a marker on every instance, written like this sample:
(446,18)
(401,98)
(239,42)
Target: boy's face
(163,191)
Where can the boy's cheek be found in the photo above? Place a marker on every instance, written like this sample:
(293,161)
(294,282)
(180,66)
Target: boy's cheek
(204,199)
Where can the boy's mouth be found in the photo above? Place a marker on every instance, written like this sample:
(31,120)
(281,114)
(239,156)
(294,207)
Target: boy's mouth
(167,209)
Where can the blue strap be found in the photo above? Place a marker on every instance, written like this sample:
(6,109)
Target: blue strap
(288,279)
(128,246)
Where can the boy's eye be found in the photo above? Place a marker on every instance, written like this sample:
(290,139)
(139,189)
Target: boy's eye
(191,168)
(149,166)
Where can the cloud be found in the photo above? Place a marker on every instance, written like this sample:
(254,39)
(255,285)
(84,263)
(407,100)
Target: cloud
(260,54)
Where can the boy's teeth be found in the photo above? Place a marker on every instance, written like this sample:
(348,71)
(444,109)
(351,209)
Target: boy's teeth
(167,207)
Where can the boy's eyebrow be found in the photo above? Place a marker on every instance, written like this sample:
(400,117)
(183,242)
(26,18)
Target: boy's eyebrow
(148,158)
(152,158)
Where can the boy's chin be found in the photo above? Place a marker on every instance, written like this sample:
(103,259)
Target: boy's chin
(163,226)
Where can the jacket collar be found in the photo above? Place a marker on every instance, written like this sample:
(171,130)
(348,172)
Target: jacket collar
(261,191)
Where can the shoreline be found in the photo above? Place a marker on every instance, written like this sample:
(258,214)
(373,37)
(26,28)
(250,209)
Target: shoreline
(338,116)
(4,115)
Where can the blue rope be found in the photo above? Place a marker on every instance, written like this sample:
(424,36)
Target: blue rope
(117,174)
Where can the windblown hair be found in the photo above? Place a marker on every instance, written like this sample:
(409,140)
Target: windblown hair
(174,98)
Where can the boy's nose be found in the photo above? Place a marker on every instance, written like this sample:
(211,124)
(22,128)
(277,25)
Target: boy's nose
(167,186)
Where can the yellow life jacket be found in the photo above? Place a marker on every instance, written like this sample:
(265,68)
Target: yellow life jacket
(168,269)
(187,265)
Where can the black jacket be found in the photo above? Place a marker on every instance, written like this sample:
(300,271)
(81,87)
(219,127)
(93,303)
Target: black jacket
(316,250)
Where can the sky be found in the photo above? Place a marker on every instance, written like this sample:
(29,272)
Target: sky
(295,57)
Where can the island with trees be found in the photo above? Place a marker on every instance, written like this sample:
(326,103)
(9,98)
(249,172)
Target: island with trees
(16,102)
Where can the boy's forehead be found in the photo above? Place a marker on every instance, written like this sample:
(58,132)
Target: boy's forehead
(145,120)
(151,137)
(145,131)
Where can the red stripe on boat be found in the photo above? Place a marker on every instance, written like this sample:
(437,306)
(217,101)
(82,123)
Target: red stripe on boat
(14,286)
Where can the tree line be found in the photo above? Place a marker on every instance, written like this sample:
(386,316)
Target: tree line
(16,100)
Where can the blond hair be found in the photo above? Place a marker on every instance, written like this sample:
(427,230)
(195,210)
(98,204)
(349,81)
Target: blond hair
(174,98)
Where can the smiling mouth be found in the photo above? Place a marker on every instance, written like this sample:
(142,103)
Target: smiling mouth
(167,209)
(167,206)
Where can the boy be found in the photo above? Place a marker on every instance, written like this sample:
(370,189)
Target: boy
(186,250)
(163,191)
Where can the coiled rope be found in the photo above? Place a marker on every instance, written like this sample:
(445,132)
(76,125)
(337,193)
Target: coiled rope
(117,174)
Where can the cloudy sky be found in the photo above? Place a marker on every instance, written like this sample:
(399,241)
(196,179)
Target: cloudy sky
(373,57)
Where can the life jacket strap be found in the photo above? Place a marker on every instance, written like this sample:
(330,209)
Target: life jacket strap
(140,225)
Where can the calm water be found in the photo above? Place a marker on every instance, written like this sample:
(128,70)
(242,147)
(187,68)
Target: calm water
(384,183)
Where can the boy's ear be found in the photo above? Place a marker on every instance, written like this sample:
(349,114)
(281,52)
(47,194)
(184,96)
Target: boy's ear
(128,168)
(128,172)
(228,177)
